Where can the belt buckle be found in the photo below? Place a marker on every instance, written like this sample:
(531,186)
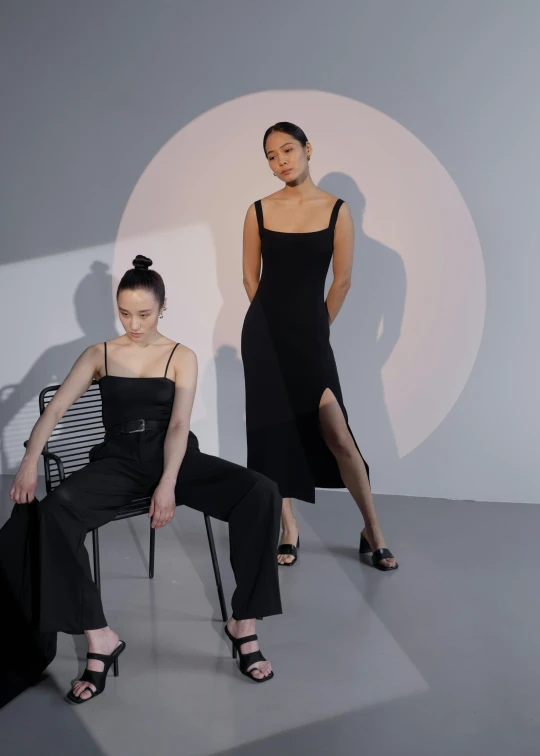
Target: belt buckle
(141,428)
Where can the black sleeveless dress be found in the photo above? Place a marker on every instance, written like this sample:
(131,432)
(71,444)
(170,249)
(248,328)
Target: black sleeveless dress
(288,361)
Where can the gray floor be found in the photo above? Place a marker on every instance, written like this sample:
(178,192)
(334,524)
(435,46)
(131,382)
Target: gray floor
(439,658)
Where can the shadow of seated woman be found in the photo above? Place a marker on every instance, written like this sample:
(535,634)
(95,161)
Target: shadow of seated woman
(96,322)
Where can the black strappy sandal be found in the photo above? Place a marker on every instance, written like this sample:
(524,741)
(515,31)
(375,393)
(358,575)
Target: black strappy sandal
(97,679)
(377,556)
(288,548)
(246,660)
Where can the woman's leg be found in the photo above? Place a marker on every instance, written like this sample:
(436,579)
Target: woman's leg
(251,504)
(70,601)
(337,436)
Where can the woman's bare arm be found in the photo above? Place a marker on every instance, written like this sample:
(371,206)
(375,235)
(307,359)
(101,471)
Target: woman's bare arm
(178,430)
(77,382)
(251,259)
(342,262)
(163,503)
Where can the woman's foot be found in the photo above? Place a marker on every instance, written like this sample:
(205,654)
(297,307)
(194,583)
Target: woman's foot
(241,629)
(102,641)
(289,534)
(375,538)
(289,537)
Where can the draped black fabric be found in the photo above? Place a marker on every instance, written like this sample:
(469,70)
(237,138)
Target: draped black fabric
(26,651)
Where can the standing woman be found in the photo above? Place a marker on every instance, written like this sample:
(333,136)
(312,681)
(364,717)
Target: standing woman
(297,428)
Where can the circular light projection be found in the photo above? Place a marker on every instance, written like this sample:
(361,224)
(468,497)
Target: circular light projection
(410,330)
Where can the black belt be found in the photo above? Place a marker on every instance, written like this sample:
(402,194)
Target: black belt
(137,426)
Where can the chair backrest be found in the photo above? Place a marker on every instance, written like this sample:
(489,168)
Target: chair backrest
(78,431)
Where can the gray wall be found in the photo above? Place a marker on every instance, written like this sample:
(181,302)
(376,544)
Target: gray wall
(92,91)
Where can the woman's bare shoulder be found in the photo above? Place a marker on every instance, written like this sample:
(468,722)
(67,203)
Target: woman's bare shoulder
(274,197)
(92,358)
(95,351)
(183,354)
(324,196)
(118,341)
(99,347)
(324,193)
(184,365)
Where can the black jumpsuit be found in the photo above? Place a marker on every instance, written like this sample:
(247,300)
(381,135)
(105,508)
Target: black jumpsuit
(129,466)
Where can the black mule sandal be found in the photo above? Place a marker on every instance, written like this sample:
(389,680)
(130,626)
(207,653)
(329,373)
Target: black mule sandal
(288,548)
(97,678)
(246,660)
(376,556)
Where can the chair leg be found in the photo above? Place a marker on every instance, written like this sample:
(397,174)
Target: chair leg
(215,565)
(95,549)
(152,551)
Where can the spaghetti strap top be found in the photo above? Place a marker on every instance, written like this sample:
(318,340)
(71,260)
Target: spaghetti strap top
(126,399)
(169,360)
(166,367)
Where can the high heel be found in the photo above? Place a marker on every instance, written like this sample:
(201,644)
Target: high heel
(288,548)
(376,556)
(98,679)
(246,660)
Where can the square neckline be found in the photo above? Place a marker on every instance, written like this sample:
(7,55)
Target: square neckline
(331,225)
(295,233)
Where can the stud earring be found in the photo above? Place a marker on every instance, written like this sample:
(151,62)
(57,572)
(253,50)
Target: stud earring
(273,174)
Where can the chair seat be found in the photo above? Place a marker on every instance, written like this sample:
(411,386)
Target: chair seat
(126,512)
(134,508)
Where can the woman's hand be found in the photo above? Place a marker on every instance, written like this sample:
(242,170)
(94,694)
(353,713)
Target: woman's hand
(163,504)
(23,488)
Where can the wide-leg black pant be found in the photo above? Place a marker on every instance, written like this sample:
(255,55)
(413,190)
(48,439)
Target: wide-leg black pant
(129,467)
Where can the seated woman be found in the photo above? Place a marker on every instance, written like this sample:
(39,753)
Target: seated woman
(144,376)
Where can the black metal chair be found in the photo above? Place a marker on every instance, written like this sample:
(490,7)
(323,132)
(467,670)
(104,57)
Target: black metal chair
(80,429)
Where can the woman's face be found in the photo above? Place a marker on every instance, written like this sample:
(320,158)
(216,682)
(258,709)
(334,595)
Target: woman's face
(139,311)
(287,158)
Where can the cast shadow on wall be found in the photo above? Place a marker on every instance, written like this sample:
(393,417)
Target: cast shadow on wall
(366,331)
(222,386)
(231,405)
(95,315)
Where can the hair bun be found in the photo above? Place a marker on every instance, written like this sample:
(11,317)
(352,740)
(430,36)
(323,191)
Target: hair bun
(141,262)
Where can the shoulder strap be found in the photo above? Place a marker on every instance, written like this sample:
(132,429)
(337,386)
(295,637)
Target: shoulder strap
(260,219)
(105,348)
(169,360)
(333,217)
